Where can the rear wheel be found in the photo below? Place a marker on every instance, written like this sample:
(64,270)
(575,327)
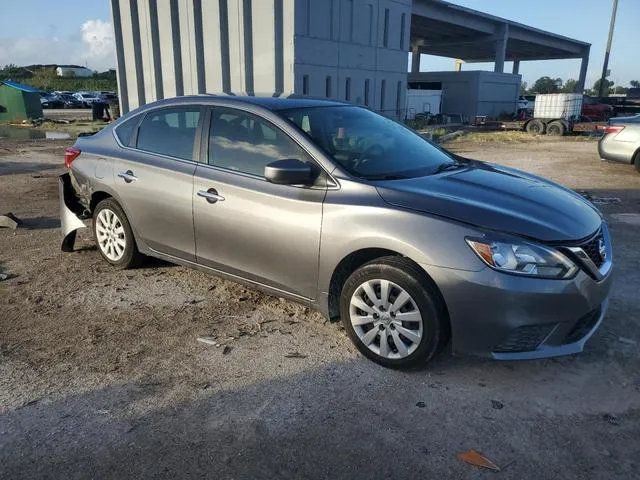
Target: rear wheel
(636,161)
(535,127)
(393,314)
(555,128)
(114,236)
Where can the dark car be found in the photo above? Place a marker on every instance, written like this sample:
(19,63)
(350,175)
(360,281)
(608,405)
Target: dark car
(47,100)
(107,97)
(342,209)
(69,100)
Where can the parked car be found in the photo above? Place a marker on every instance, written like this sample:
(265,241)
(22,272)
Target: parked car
(621,141)
(48,100)
(107,97)
(342,209)
(87,98)
(595,110)
(69,101)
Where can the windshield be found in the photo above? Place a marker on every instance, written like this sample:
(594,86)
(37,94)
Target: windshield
(369,145)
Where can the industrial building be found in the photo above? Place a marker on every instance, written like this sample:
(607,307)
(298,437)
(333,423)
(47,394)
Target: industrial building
(73,71)
(352,50)
(467,94)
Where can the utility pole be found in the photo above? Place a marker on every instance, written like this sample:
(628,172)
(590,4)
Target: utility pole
(603,78)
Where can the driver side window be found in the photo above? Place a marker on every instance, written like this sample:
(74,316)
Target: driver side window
(246,143)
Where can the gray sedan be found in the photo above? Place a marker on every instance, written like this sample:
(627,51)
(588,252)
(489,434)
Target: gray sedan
(342,209)
(621,141)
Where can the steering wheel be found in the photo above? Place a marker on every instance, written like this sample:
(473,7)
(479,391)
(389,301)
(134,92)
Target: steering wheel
(369,155)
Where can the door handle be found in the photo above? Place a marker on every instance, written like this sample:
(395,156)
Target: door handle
(128,176)
(211,195)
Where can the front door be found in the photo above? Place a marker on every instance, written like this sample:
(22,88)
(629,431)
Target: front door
(154,179)
(247,226)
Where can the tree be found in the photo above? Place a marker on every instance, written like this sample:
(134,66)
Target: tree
(619,90)
(547,85)
(569,86)
(635,83)
(523,88)
(608,87)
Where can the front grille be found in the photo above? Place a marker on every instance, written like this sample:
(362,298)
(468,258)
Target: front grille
(524,339)
(583,326)
(592,249)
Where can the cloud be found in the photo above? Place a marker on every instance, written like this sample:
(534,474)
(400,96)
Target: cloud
(93,46)
(98,39)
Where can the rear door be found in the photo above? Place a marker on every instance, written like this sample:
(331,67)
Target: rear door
(256,230)
(154,178)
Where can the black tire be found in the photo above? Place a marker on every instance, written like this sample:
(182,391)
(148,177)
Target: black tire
(555,128)
(131,257)
(423,292)
(535,127)
(636,161)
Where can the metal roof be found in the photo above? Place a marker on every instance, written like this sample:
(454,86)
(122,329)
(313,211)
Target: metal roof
(444,29)
(19,86)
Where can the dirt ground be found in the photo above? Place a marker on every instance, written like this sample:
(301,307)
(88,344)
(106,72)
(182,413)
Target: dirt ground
(102,376)
(67,113)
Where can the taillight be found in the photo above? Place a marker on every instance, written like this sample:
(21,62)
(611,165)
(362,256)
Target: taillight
(70,154)
(613,129)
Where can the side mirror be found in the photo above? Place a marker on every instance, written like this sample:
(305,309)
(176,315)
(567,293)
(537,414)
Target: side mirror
(288,172)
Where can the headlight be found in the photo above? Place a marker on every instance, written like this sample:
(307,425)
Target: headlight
(523,258)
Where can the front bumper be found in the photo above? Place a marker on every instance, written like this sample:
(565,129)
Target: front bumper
(71,213)
(515,318)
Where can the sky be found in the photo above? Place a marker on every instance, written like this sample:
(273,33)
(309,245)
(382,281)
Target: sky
(585,20)
(80,32)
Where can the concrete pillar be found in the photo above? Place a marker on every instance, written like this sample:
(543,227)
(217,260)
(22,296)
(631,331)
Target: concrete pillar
(583,70)
(500,47)
(415,59)
(516,67)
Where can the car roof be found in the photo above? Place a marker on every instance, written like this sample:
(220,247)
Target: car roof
(268,102)
(283,103)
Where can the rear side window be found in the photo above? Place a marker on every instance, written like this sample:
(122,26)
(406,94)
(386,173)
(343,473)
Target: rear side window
(243,142)
(170,131)
(126,129)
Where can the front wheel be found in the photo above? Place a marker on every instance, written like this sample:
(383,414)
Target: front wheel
(393,314)
(535,127)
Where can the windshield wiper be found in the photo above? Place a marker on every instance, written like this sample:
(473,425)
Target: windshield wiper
(449,166)
(386,177)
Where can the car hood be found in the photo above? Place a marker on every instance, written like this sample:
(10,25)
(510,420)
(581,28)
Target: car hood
(497,198)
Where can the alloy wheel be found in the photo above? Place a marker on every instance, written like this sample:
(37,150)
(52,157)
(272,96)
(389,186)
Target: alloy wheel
(386,319)
(110,234)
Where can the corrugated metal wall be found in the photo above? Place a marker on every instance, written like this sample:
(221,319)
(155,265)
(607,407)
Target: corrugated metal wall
(167,48)
(354,50)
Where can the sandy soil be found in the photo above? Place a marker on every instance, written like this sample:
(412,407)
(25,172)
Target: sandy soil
(67,113)
(102,376)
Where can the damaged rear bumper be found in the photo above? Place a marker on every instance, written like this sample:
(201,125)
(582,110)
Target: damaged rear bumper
(72,213)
